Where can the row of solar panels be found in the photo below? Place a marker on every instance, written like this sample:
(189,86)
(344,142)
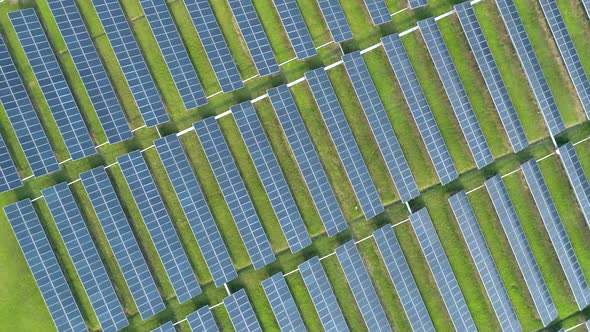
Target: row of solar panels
(71,226)
(79,43)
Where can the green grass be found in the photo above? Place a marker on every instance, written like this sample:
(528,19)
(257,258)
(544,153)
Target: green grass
(22,299)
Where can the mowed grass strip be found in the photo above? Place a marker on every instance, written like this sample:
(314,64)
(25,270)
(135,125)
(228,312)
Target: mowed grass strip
(550,60)
(504,259)
(363,135)
(509,66)
(253,184)
(439,104)
(475,86)
(456,251)
(401,118)
(568,209)
(326,150)
(540,244)
(290,168)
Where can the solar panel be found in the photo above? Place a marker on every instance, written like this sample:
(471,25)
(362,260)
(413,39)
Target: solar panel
(378,11)
(82,250)
(361,287)
(441,270)
(413,4)
(127,252)
(91,70)
(214,44)
(234,192)
(254,36)
(456,92)
(336,20)
(491,75)
(44,266)
(202,320)
(271,176)
(484,262)
(307,160)
(429,131)
(23,118)
(554,226)
(577,177)
(586,4)
(346,146)
(167,327)
(131,61)
(297,31)
(322,296)
(53,84)
(282,303)
(9,178)
(380,126)
(402,278)
(531,66)
(196,209)
(179,63)
(241,313)
(568,52)
(522,250)
(158,223)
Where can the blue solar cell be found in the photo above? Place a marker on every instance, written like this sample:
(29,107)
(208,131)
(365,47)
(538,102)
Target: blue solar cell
(362,288)
(116,228)
(322,296)
(307,159)
(9,178)
(531,66)
(380,126)
(214,44)
(557,234)
(456,92)
(282,303)
(234,192)
(484,262)
(22,116)
(413,4)
(442,271)
(378,11)
(241,312)
(202,320)
(336,20)
(179,63)
(131,61)
(254,36)
(346,146)
(491,75)
(429,131)
(44,266)
(167,327)
(92,273)
(297,31)
(159,225)
(568,52)
(577,177)
(586,4)
(522,250)
(196,209)
(402,278)
(53,84)
(271,176)
(91,70)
